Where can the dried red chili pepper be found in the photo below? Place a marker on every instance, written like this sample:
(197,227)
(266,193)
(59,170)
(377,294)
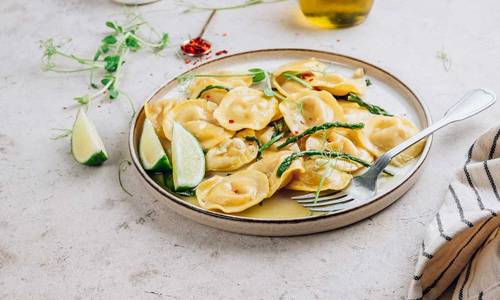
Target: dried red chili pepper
(197,46)
(221,52)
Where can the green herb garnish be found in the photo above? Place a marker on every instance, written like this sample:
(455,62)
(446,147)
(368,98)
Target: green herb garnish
(445,59)
(273,140)
(211,87)
(290,75)
(323,126)
(368,82)
(108,58)
(374,109)
(258,75)
(285,164)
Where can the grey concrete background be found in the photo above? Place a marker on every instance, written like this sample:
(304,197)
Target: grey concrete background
(70,232)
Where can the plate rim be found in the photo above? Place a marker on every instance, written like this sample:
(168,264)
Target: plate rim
(179,201)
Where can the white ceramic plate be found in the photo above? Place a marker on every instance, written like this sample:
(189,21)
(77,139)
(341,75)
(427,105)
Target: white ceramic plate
(282,216)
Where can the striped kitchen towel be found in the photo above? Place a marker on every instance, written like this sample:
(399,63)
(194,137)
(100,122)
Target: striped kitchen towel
(464,239)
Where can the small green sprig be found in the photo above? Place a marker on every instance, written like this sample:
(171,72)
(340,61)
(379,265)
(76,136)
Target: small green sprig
(285,164)
(212,87)
(108,58)
(271,142)
(374,109)
(323,126)
(295,76)
(258,76)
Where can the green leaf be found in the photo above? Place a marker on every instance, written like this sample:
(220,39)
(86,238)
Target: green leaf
(114,26)
(258,75)
(164,42)
(111,63)
(94,86)
(113,93)
(97,54)
(109,39)
(104,48)
(82,99)
(132,43)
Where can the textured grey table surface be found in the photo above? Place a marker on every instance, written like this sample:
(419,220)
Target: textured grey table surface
(68,231)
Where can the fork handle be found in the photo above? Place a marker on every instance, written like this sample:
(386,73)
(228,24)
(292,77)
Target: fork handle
(471,104)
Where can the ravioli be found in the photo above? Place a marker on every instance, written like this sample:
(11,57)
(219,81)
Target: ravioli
(154,112)
(215,95)
(315,170)
(339,85)
(223,108)
(245,107)
(196,115)
(232,154)
(269,165)
(312,67)
(382,133)
(305,65)
(330,140)
(233,193)
(307,109)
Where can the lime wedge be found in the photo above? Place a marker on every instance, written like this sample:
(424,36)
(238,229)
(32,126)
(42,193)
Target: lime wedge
(188,159)
(151,151)
(86,144)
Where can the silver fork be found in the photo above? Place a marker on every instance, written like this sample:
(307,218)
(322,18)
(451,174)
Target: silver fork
(363,187)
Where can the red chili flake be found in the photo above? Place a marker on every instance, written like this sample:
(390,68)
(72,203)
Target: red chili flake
(207,96)
(296,132)
(231,121)
(316,88)
(306,75)
(196,46)
(221,52)
(329,140)
(187,61)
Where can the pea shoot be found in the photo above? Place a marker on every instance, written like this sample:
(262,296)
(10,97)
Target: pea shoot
(108,59)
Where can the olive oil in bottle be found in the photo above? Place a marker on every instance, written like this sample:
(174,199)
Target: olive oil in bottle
(336,13)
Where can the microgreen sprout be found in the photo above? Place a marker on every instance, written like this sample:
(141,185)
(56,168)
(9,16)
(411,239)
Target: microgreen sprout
(445,59)
(108,59)
(295,76)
